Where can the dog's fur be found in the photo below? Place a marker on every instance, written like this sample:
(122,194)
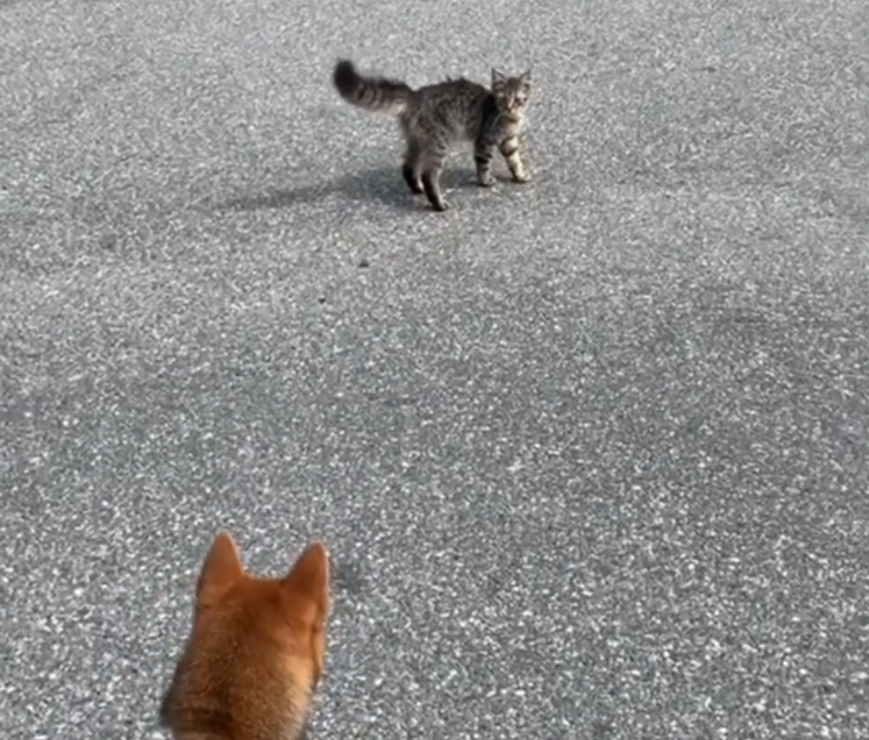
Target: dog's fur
(256,653)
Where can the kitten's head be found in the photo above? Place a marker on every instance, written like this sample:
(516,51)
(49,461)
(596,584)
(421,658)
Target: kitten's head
(511,94)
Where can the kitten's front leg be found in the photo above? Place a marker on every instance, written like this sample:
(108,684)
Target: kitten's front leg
(483,152)
(510,151)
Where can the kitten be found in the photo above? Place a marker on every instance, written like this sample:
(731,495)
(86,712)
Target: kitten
(434,117)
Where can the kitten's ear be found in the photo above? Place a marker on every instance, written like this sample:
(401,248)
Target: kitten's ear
(525,78)
(221,570)
(308,582)
(498,78)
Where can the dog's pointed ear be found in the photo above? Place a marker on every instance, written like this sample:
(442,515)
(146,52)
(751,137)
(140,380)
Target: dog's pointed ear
(308,581)
(221,570)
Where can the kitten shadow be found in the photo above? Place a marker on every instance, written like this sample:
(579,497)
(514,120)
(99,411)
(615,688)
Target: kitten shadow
(382,184)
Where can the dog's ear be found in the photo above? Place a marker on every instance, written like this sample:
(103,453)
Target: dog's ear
(221,570)
(308,582)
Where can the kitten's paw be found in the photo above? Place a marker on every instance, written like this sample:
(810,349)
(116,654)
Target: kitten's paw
(521,178)
(440,206)
(486,182)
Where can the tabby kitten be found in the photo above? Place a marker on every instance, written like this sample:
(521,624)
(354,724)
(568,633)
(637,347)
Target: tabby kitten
(434,117)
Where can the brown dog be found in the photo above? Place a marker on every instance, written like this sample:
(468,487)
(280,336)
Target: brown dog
(256,653)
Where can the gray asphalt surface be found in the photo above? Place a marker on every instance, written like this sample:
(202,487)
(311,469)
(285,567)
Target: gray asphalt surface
(591,454)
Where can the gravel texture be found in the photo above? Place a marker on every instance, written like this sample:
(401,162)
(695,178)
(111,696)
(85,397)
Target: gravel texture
(591,454)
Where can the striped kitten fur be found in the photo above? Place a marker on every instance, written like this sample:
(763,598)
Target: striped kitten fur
(434,117)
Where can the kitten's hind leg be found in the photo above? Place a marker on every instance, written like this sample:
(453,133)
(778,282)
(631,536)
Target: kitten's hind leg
(510,151)
(483,153)
(431,185)
(410,178)
(431,176)
(410,169)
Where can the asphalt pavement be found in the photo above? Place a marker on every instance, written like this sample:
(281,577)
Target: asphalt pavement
(591,454)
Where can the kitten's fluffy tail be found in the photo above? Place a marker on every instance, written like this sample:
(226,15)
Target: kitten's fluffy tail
(377,94)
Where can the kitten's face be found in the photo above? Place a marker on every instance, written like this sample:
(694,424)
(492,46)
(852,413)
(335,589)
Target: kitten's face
(511,94)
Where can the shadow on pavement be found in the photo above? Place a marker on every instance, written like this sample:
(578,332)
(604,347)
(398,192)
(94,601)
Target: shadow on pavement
(382,184)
